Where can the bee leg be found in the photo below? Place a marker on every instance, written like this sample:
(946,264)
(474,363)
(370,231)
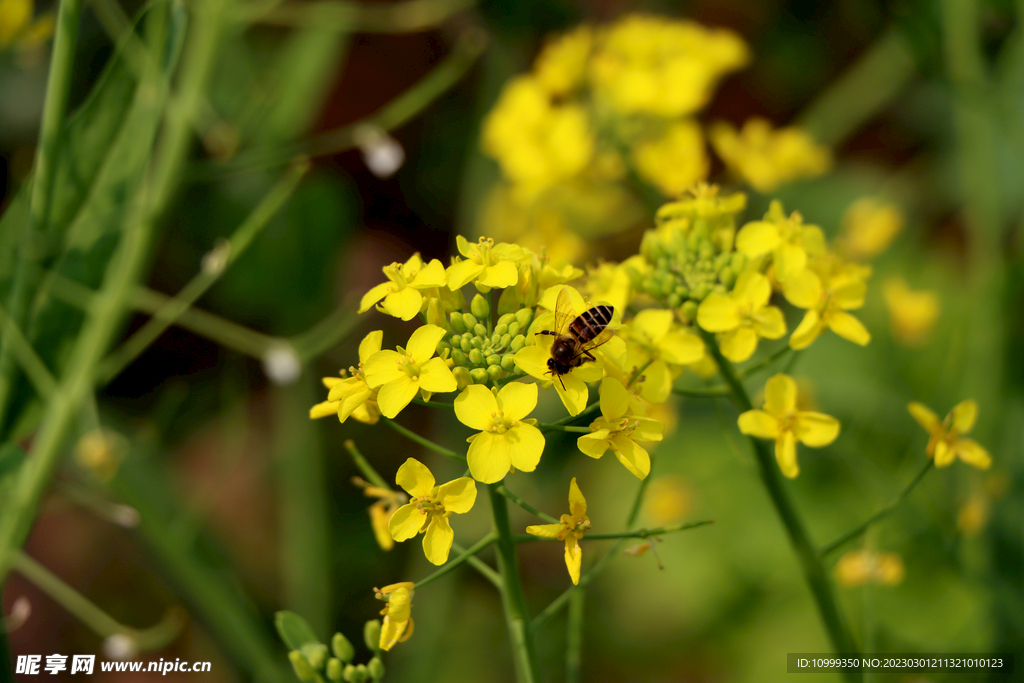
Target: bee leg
(546,332)
(589,355)
(561,382)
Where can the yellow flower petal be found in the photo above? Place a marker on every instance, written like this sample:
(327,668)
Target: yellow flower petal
(594,444)
(458,495)
(323,409)
(392,632)
(396,395)
(657,384)
(375,295)
(383,367)
(769,323)
(806,332)
(436,377)
(574,393)
(502,274)
(423,343)
(633,456)
(790,259)
(682,348)
(577,503)
(526,445)
(573,558)
(475,407)
(816,429)
(758,423)
(718,313)
(404,304)
(944,455)
(924,416)
(803,289)
(614,398)
(370,345)
(785,454)
(432,275)
(406,522)
(738,345)
(545,530)
(437,542)
(973,453)
(848,327)
(414,477)
(652,324)
(964,415)
(463,272)
(757,238)
(379,520)
(490,457)
(752,288)
(533,360)
(779,395)
(517,399)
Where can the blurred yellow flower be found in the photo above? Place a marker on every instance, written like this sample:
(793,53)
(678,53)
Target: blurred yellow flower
(352,396)
(401,376)
(562,64)
(619,429)
(789,241)
(402,296)
(570,529)
(767,158)
(974,514)
(912,314)
(828,289)
(668,500)
(945,443)
(398,625)
(781,421)
(486,264)
(608,282)
(742,317)
(869,227)
(388,502)
(673,161)
(653,65)
(430,507)
(506,440)
(859,567)
(17,27)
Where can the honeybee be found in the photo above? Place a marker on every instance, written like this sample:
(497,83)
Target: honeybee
(576,335)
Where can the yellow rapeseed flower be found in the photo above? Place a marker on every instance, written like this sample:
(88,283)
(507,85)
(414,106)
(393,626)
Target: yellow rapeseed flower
(402,294)
(767,158)
(661,347)
(430,507)
(562,64)
(828,289)
(486,264)
(859,567)
(382,510)
(912,314)
(352,396)
(621,426)
(781,421)
(869,227)
(742,317)
(945,443)
(788,240)
(401,376)
(506,440)
(397,613)
(570,529)
(673,161)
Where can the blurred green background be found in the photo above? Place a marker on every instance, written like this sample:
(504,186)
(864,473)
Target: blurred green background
(247,507)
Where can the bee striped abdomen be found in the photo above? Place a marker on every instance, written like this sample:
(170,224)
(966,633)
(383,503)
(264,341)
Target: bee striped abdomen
(589,324)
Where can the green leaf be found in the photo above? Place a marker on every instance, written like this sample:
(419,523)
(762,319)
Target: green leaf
(295,631)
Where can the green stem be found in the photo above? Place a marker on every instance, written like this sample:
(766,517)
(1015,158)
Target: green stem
(91,615)
(463,556)
(482,568)
(586,412)
(364,466)
(884,512)
(402,17)
(434,404)
(813,569)
(639,533)
(588,576)
(31,364)
(639,371)
(757,367)
(523,504)
(426,443)
(574,637)
(516,615)
(548,427)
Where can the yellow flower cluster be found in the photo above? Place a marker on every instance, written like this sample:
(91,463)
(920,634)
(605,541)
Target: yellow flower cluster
(19,30)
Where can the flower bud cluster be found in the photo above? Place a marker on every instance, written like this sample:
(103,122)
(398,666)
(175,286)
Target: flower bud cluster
(314,661)
(481,354)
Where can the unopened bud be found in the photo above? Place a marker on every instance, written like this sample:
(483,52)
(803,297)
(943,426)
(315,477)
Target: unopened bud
(302,668)
(480,307)
(462,377)
(494,372)
(493,359)
(342,647)
(479,330)
(517,343)
(469,320)
(315,654)
(524,317)
(475,357)
(457,323)
(508,363)
(376,668)
(348,674)
(459,356)
(371,634)
(335,670)
(479,375)
(435,315)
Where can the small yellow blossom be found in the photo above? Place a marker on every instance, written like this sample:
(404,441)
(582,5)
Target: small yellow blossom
(429,509)
(742,317)
(767,158)
(673,161)
(869,227)
(912,314)
(781,421)
(620,428)
(570,529)
(401,376)
(398,625)
(17,27)
(789,241)
(660,346)
(562,64)
(382,510)
(487,264)
(945,443)
(828,289)
(352,396)
(859,567)
(506,440)
(402,295)
(608,282)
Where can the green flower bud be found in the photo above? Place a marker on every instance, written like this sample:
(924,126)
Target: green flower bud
(371,635)
(479,375)
(458,324)
(493,359)
(507,319)
(462,377)
(477,343)
(480,307)
(466,344)
(444,347)
(505,340)
(459,356)
(335,670)
(674,300)
(315,654)
(513,328)
(349,674)
(728,277)
(302,668)
(479,330)
(500,329)
(508,363)
(524,317)
(495,339)
(435,314)
(689,311)
(362,673)
(469,321)
(342,648)
(518,342)
(494,372)
(376,668)
(475,357)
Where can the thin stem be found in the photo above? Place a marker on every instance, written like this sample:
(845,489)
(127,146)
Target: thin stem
(463,556)
(364,466)
(89,613)
(574,637)
(639,371)
(516,615)
(426,443)
(884,512)
(434,404)
(586,412)
(548,427)
(500,488)
(588,576)
(403,17)
(639,533)
(482,568)
(33,366)
(757,367)
(814,571)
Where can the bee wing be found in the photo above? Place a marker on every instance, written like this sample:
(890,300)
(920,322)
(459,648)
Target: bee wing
(564,313)
(602,338)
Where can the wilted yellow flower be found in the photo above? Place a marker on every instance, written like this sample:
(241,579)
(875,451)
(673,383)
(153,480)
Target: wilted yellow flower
(673,161)
(570,529)
(562,64)
(506,440)
(352,396)
(742,317)
(782,422)
(398,625)
(429,509)
(402,295)
(912,314)
(652,65)
(828,289)
(401,376)
(945,443)
(388,502)
(787,238)
(621,426)
(869,227)
(767,158)
(859,567)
